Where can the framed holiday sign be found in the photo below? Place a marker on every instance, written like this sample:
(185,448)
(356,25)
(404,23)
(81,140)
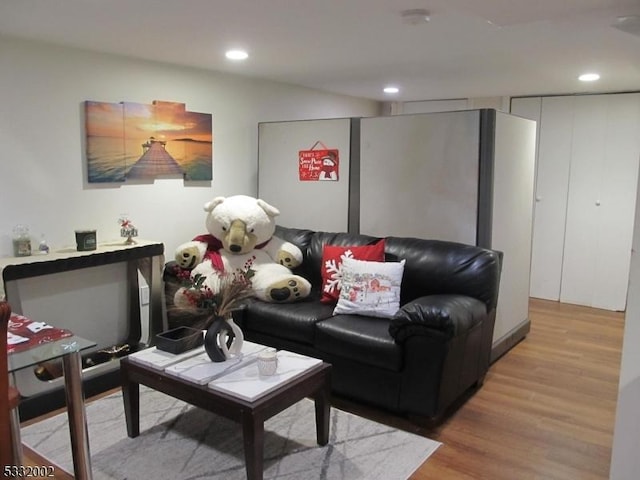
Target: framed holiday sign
(319,164)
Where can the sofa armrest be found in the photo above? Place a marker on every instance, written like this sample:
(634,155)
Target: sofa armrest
(437,315)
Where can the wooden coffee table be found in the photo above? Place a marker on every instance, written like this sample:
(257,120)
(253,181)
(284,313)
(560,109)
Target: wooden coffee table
(251,414)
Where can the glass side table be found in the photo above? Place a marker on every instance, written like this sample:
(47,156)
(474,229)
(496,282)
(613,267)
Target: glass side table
(68,350)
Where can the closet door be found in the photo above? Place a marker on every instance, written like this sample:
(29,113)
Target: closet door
(601,202)
(554,157)
(555,129)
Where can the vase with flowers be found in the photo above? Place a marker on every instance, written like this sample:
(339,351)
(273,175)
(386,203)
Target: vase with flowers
(223,338)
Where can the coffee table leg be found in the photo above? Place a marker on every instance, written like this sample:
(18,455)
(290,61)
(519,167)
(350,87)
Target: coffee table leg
(131,398)
(323,409)
(253,437)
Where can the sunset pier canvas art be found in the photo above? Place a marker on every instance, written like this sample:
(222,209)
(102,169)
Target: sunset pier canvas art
(133,142)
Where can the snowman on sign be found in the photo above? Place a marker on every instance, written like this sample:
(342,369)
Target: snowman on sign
(329,170)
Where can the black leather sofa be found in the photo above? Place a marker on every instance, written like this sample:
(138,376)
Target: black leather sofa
(421,362)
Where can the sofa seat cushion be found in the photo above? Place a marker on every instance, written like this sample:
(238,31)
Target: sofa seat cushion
(291,321)
(358,338)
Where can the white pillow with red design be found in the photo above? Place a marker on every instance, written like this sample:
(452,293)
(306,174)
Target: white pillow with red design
(370,288)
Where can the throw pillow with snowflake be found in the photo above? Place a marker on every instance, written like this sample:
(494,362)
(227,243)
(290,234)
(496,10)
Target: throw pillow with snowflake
(332,258)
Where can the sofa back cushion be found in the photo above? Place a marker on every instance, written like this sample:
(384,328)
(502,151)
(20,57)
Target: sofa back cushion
(436,267)
(312,244)
(432,267)
(301,238)
(320,239)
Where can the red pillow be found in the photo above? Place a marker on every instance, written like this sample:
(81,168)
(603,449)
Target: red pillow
(331,270)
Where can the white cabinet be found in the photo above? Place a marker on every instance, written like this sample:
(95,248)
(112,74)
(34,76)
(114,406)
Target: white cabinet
(587,169)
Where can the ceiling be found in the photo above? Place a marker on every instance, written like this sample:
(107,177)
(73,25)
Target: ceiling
(469,48)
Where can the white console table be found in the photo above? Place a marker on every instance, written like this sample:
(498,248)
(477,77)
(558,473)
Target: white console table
(70,268)
(144,256)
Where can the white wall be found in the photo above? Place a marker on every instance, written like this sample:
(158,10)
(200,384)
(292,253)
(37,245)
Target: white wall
(326,204)
(512,219)
(42,164)
(625,462)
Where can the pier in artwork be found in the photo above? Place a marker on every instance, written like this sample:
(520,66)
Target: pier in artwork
(155,162)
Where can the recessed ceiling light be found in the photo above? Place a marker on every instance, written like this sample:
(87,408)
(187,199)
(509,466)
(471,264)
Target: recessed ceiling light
(589,77)
(391,90)
(237,55)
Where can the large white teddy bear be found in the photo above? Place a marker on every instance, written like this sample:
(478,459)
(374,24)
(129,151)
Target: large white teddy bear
(241,233)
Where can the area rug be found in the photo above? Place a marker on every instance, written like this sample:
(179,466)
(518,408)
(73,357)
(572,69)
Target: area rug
(181,442)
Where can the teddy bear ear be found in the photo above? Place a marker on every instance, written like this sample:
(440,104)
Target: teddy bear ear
(269,209)
(209,206)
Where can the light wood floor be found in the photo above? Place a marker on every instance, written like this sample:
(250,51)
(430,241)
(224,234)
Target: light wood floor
(546,410)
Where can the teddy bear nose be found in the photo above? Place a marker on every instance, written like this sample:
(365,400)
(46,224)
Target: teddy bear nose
(235,248)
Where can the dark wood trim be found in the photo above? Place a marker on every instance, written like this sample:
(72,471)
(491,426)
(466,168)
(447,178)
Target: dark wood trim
(96,259)
(353,209)
(486,160)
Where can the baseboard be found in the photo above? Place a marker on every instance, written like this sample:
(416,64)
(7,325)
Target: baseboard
(509,340)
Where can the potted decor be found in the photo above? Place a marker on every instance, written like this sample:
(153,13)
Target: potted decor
(223,338)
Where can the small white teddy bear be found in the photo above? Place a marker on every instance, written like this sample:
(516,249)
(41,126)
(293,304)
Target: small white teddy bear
(241,232)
